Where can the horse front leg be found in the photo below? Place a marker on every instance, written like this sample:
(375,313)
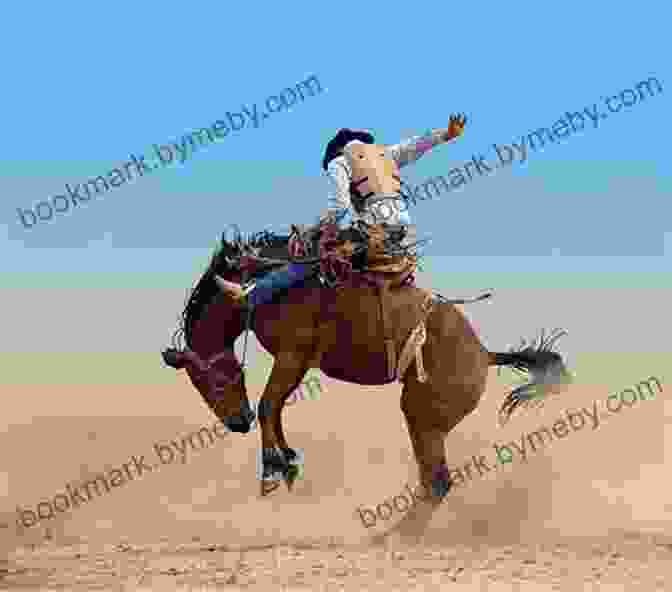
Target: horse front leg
(295,469)
(288,372)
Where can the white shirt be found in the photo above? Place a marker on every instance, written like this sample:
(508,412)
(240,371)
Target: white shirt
(384,208)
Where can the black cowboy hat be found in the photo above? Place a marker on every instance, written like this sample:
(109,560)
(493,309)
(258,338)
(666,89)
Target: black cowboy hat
(338,142)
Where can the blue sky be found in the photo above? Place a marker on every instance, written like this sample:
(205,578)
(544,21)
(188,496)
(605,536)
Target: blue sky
(85,87)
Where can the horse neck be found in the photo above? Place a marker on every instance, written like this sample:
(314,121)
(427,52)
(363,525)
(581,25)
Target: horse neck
(217,329)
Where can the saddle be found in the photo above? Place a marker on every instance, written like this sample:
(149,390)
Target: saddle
(378,258)
(340,255)
(386,270)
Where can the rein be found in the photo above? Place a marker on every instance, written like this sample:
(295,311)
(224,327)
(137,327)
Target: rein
(248,322)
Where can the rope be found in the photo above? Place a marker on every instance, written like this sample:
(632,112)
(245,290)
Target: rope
(247,333)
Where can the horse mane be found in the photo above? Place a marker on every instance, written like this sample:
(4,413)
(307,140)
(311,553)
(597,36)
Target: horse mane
(222,262)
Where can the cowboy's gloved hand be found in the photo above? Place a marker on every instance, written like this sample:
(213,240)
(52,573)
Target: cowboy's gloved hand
(455,127)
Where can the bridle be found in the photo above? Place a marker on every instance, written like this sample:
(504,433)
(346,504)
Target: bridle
(206,367)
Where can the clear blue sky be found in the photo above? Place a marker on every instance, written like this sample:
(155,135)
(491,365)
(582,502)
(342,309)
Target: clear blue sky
(84,86)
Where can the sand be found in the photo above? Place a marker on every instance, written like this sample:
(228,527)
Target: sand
(587,511)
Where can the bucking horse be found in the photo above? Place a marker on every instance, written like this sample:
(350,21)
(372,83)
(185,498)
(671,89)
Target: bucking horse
(372,327)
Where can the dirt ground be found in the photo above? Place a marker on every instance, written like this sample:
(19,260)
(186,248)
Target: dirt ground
(587,511)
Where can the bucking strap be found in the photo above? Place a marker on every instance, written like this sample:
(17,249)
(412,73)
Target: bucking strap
(414,344)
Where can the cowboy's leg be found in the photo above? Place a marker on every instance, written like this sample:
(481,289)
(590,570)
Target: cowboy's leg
(281,279)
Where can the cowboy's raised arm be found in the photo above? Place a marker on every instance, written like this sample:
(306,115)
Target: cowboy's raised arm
(412,149)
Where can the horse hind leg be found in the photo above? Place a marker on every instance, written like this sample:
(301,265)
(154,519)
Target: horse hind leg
(430,416)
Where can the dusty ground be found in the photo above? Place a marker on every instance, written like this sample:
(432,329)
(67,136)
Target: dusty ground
(589,511)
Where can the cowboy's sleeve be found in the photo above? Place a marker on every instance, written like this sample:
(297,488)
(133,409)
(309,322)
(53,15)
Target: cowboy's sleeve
(341,205)
(412,149)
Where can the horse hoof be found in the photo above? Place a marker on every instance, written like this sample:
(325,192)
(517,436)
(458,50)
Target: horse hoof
(268,486)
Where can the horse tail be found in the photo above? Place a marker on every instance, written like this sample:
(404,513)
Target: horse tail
(544,367)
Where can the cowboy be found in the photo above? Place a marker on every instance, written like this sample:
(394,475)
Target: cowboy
(357,168)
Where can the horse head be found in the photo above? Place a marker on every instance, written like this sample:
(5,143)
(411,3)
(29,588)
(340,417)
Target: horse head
(209,328)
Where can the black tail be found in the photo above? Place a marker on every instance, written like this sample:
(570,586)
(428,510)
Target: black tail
(545,368)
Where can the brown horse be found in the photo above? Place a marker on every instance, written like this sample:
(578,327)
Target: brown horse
(339,331)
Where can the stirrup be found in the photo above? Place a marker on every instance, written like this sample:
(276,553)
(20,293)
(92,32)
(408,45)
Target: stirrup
(247,288)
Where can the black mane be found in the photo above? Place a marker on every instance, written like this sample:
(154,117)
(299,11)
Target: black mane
(221,263)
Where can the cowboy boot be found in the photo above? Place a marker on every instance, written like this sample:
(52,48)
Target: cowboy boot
(265,288)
